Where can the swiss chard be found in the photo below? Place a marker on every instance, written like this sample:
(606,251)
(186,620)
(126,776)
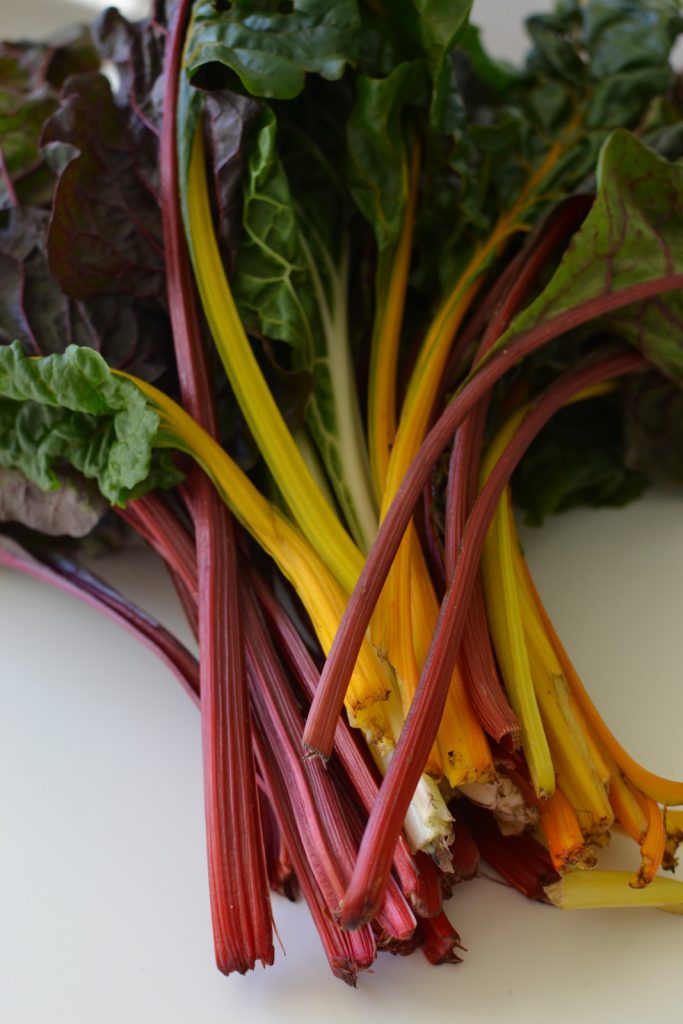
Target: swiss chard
(331,199)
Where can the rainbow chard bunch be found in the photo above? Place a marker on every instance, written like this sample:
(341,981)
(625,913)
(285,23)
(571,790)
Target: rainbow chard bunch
(310,298)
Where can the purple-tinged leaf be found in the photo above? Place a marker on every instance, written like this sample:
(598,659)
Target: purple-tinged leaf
(105,230)
(73,510)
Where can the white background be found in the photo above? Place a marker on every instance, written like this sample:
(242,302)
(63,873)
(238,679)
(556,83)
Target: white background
(103,902)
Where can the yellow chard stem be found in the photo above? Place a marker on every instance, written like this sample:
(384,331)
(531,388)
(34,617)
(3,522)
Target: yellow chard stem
(663,791)
(304,498)
(426,378)
(507,632)
(553,734)
(582,776)
(392,281)
(586,890)
(321,594)
(562,832)
(397,605)
(673,826)
(652,846)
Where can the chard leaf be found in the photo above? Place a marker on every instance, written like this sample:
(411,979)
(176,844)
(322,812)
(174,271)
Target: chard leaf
(230,119)
(31,75)
(105,223)
(137,51)
(491,72)
(632,234)
(92,298)
(73,510)
(71,409)
(627,34)
(537,136)
(377,149)
(653,427)
(128,333)
(272,281)
(291,285)
(442,22)
(577,459)
(271,50)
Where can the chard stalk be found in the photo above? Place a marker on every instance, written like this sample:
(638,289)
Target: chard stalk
(347,952)
(344,451)
(319,591)
(238,884)
(562,832)
(426,378)
(659,789)
(594,890)
(520,860)
(374,859)
(334,681)
(311,511)
(531,671)
(507,631)
(652,846)
(79,582)
(390,295)
(353,762)
(673,826)
(507,297)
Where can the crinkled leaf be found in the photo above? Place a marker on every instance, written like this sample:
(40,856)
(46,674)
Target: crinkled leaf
(272,283)
(377,137)
(555,116)
(137,51)
(627,34)
(270,50)
(73,510)
(632,234)
(31,75)
(71,409)
(229,122)
(20,130)
(129,334)
(105,224)
(291,284)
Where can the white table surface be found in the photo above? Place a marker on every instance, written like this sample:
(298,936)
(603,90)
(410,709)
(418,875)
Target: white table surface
(103,900)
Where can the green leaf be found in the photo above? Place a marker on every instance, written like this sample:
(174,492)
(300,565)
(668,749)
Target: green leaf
(377,147)
(290,286)
(271,51)
(71,409)
(441,24)
(633,234)
(494,73)
(627,34)
(571,94)
(653,427)
(577,459)
(272,280)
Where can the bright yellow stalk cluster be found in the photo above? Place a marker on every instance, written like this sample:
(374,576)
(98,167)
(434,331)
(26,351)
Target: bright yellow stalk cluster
(584,781)
(467,749)
(462,753)
(370,702)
